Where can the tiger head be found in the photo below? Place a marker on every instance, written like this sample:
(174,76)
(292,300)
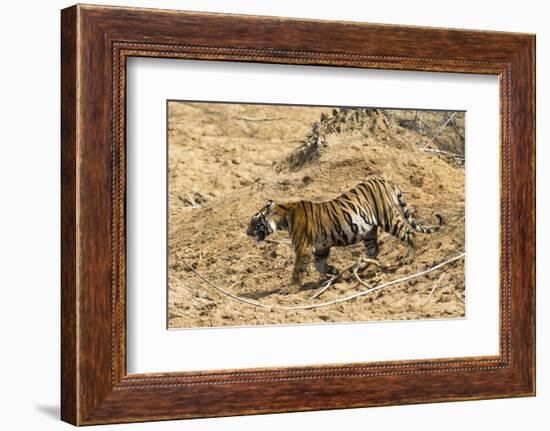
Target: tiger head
(263,223)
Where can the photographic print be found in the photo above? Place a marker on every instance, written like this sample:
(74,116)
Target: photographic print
(286,214)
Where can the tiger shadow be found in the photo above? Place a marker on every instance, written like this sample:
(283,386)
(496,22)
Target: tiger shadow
(261,294)
(314,285)
(386,269)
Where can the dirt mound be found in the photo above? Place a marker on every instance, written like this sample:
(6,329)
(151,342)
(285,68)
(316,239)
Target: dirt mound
(367,122)
(226,161)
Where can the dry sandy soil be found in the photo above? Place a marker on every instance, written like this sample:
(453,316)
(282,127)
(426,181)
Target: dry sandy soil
(226,160)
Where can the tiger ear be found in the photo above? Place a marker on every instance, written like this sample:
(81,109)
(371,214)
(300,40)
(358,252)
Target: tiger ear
(270,205)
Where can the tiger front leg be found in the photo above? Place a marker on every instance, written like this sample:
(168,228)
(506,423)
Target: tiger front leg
(302,260)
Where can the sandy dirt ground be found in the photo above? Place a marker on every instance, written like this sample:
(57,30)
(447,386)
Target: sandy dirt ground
(226,160)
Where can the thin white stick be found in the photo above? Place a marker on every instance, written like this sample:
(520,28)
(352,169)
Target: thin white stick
(277,241)
(258,119)
(433,288)
(190,197)
(323,304)
(354,267)
(329,283)
(458,296)
(356,274)
(433,150)
(390,283)
(219,289)
(442,127)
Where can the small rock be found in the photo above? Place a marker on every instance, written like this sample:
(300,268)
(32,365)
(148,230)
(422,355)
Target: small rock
(307,180)
(417,180)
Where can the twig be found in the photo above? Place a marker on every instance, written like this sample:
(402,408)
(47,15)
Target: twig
(201,108)
(356,274)
(258,119)
(442,127)
(433,288)
(359,279)
(190,202)
(323,304)
(219,289)
(329,283)
(390,283)
(320,169)
(457,129)
(433,150)
(277,241)
(457,295)
(353,267)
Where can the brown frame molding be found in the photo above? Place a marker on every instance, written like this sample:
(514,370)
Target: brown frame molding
(95,43)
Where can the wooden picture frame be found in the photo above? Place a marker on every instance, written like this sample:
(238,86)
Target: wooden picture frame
(96,41)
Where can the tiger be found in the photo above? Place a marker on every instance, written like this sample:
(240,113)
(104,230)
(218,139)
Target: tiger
(356,215)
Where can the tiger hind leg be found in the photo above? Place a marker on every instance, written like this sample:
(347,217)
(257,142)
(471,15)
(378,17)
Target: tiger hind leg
(409,238)
(321,258)
(371,244)
(403,231)
(410,245)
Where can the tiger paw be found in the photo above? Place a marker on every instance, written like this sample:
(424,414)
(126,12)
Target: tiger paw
(331,270)
(373,250)
(295,286)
